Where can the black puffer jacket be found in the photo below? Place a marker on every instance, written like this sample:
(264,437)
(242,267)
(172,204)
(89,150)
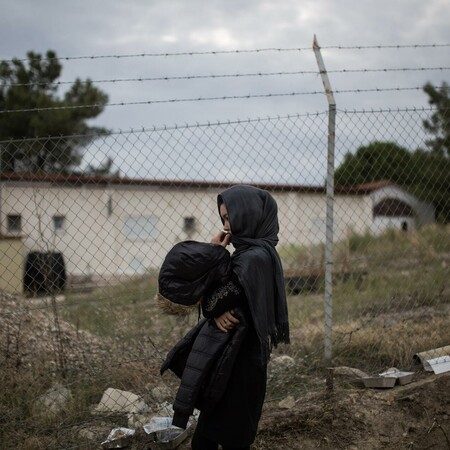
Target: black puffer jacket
(190,269)
(203,360)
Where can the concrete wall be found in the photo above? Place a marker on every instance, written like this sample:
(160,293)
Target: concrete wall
(425,213)
(96,239)
(11,264)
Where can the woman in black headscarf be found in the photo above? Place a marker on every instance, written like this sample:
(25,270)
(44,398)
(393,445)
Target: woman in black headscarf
(250,223)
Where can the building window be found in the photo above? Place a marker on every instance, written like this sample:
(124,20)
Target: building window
(58,224)
(189,225)
(141,228)
(14,223)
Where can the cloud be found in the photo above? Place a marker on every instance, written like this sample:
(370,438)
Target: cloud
(137,26)
(221,38)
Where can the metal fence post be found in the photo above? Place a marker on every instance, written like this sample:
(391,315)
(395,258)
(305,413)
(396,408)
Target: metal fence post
(328,300)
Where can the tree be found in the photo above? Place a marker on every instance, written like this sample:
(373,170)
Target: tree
(374,162)
(103,169)
(33,86)
(425,174)
(439,123)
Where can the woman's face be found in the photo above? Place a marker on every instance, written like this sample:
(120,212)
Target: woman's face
(224,214)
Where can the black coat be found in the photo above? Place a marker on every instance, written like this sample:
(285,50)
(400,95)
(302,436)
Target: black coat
(233,421)
(190,269)
(203,360)
(229,387)
(232,417)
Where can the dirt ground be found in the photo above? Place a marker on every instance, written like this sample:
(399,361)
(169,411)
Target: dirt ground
(414,416)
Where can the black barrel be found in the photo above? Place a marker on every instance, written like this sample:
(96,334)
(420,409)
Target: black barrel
(45,273)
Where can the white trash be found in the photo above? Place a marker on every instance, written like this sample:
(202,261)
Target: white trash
(118,438)
(162,432)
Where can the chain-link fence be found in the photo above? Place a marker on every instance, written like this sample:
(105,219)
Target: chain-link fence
(82,338)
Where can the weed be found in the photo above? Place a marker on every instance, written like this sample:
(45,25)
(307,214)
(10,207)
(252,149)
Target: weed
(394,304)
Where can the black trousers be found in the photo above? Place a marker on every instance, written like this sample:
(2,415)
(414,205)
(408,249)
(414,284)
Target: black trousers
(201,443)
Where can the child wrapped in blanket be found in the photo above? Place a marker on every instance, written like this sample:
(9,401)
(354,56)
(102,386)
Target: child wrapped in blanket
(197,273)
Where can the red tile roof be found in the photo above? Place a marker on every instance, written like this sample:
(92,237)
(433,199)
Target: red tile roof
(80,180)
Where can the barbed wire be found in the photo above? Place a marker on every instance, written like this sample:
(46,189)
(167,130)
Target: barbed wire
(382,47)
(153,129)
(174,78)
(166,127)
(237,52)
(203,99)
(233,75)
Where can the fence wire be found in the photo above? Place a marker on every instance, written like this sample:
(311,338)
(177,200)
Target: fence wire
(82,338)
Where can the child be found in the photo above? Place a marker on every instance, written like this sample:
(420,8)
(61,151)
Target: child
(203,359)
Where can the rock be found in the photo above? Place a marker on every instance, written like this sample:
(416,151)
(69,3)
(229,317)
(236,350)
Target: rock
(115,400)
(54,401)
(119,438)
(161,394)
(351,374)
(91,432)
(164,409)
(283,361)
(87,434)
(137,421)
(287,403)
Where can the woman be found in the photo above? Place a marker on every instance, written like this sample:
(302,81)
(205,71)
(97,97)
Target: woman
(250,223)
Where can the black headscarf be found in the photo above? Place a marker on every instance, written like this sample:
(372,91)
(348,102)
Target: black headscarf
(253,217)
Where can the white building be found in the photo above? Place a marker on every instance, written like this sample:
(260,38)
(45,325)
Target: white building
(114,226)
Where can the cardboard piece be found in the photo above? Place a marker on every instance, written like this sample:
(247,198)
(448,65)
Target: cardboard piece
(436,360)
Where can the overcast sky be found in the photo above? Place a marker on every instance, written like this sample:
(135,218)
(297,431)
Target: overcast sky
(108,27)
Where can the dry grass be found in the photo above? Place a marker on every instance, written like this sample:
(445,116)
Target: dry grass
(117,336)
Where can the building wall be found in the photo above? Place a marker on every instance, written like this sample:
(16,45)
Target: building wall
(11,264)
(82,240)
(96,239)
(425,213)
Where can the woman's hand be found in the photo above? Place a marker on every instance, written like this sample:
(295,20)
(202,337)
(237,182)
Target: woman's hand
(226,321)
(221,238)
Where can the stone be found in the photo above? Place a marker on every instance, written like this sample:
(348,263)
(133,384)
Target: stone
(116,400)
(164,409)
(350,375)
(287,403)
(161,394)
(54,401)
(349,372)
(283,361)
(137,421)
(86,433)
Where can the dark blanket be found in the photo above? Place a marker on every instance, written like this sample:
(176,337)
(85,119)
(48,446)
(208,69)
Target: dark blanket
(190,269)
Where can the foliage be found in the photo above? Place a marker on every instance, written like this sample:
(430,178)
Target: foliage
(31,85)
(404,288)
(422,173)
(116,337)
(103,169)
(439,123)
(374,162)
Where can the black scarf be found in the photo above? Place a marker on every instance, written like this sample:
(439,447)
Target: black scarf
(253,217)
